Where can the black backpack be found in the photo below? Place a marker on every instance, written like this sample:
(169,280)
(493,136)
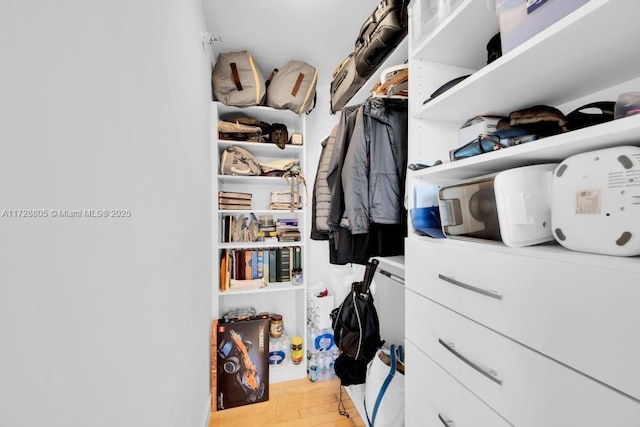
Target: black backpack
(356,330)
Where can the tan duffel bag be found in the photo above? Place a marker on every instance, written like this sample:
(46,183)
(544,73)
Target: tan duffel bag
(237,80)
(293,87)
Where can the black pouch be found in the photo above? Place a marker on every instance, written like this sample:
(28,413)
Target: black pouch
(494,48)
(279,135)
(445,87)
(540,120)
(579,118)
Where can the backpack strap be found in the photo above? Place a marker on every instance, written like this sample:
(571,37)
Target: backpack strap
(235,75)
(341,409)
(273,73)
(315,98)
(296,86)
(383,389)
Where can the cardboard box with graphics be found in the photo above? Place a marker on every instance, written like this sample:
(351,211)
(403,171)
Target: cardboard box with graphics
(242,362)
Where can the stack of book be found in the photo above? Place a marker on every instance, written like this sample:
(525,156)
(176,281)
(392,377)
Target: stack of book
(285,200)
(231,200)
(287,230)
(267,234)
(266,229)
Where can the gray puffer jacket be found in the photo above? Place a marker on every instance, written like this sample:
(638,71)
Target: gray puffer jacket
(334,173)
(374,169)
(321,191)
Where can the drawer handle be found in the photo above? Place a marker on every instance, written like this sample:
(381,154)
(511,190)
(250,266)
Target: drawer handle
(486,292)
(489,373)
(446,422)
(392,276)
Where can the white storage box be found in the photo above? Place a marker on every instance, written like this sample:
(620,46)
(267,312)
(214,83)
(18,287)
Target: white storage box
(511,206)
(477,126)
(521,19)
(595,201)
(428,14)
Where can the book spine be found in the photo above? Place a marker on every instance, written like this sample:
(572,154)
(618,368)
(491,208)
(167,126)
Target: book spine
(286,264)
(234,195)
(239,265)
(273,254)
(227,206)
(247,264)
(223,270)
(297,258)
(254,264)
(279,265)
(229,266)
(265,264)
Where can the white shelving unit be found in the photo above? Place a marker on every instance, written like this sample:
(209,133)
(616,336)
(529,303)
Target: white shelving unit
(528,350)
(283,298)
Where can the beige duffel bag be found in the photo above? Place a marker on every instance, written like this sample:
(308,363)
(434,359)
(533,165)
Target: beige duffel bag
(237,80)
(293,87)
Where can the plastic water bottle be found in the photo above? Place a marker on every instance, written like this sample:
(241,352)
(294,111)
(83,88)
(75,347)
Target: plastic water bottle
(313,368)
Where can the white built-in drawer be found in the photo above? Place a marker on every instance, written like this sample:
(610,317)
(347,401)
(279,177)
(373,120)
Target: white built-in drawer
(525,387)
(412,419)
(433,397)
(581,309)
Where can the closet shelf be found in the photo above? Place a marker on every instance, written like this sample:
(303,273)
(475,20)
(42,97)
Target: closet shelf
(262,112)
(548,68)
(250,180)
(266,149)
(272,287)
(547,150)
(279,212)
(446,44)
(258,245)
(286,373)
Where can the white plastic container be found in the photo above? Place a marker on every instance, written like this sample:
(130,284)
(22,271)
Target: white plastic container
(511,207)
(522,19)
(428,14)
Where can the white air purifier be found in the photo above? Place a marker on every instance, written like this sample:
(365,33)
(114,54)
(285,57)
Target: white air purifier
(595,201)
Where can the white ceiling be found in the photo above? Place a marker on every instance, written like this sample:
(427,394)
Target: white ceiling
(319,32)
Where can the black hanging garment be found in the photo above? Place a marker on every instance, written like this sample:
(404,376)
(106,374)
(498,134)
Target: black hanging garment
(367,182)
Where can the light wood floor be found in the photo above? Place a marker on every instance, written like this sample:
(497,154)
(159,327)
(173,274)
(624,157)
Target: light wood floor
(298,403)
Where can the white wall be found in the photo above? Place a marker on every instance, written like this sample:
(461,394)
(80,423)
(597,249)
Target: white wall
(321,33)
(104,321)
